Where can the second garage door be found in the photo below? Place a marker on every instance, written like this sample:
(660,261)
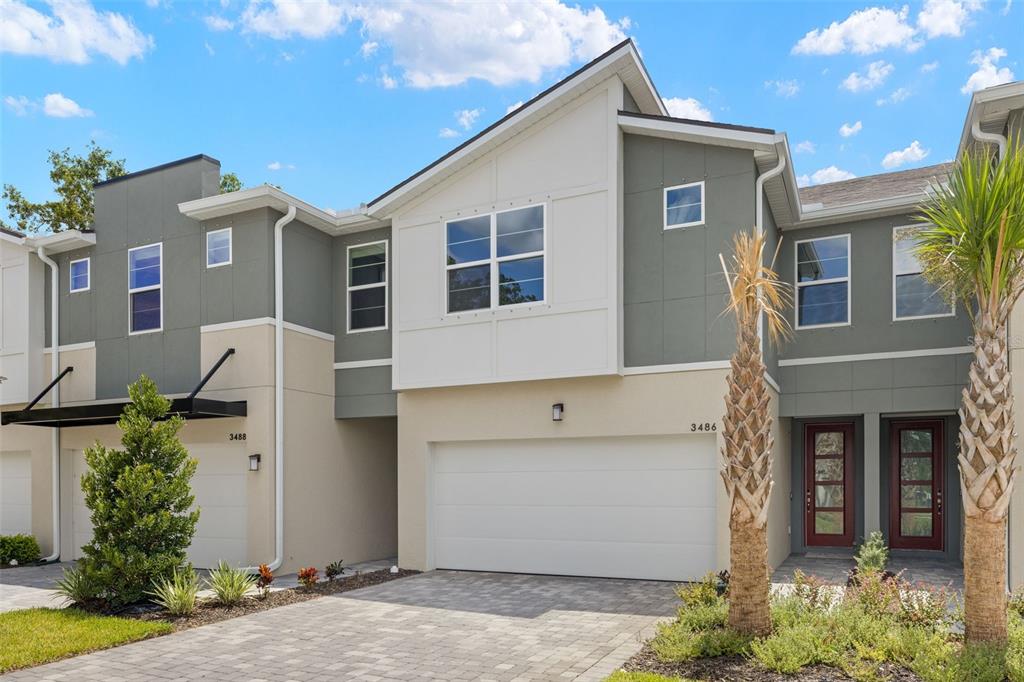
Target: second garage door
(638,507)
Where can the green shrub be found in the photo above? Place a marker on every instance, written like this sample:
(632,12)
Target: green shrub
(789,649)
(872,555)
(701,593)
(77,588)
(333,570)
(675,643)
(139,499)
(20,548)
(178,594)
(231,585)
(704,617)
(813,592)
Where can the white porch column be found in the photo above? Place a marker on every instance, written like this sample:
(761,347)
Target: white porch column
(872,474)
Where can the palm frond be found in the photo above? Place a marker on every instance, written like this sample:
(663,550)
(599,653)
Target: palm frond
(755,288)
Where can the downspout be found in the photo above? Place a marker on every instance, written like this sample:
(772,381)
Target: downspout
(988,137)
(54,398)
(759,220)
(279,387)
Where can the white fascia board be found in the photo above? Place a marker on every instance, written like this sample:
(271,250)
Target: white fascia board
(62,241)
(860,210)
(693,132)
(1008,96)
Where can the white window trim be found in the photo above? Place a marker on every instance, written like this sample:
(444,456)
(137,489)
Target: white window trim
(151,287)
(88,275)
(833,280)
(905,318)
(231,248)
(664,206)
(349,288)
(494,260)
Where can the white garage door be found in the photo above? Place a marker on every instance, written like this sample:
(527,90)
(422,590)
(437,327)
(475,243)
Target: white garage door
(609,507)
(219,486)
(15,493)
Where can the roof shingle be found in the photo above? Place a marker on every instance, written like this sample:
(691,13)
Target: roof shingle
(874,187)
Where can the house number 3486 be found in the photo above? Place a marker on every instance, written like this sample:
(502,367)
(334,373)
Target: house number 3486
(236,436)
(706,426)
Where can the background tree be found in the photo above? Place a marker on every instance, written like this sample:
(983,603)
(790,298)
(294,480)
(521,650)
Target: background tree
(229,182)
(140,502)
(972,247)
(754,291)
(73,178)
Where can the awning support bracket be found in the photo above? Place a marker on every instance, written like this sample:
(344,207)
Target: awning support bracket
(195,391)
(67,370)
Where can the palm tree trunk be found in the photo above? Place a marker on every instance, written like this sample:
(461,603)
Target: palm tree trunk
(749,607)
(987,473)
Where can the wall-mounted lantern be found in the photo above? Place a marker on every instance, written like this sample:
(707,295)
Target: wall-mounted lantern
(254,462)
(556,412)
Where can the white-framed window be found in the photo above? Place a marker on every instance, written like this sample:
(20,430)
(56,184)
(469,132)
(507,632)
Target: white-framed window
(78,275)
(145,289)
(913,296)
(823,282)
(367,286)
(684,205)
(496,260)
(218,248)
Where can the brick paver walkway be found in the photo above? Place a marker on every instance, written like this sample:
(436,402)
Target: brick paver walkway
(442,625)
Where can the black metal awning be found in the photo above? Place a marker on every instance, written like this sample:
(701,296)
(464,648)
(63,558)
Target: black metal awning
(96,414)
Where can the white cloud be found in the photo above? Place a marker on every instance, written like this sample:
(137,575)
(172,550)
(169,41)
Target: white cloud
(825,175)
(287,56)
(74,32)
(57,105)
(929,67)
(215,23)
(386,81)
(865,31)
(805,147)
(898,95)
(448,132)
(1006,8)
(901,157)
(467,117)
(20,105)
(368,48)
(946,17)
(209,48)
(689,107)
(512,107)
(988,73)
(783,88)
(873,77)
(445,44)
(847,130)
(277,165)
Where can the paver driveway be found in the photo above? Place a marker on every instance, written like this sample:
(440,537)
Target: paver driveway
(444,625)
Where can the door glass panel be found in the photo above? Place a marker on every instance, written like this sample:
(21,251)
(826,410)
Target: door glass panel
(828,496)
(828,443)
(828,470)
(915,440)
(916,469)
(828,523)
(916,524)
(916,496)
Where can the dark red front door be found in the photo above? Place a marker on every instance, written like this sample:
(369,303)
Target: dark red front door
(915,504)
(828,493)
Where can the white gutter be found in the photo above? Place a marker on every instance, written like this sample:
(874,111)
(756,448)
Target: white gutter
(54,397)
(759,192)
(982,136)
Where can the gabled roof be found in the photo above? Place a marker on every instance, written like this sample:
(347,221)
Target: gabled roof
(874,187)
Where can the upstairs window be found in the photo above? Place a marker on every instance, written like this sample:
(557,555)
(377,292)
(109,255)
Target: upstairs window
(496,260)
(684,205)
(218,248)
(78,271)
(913,297)
(145,289)
(823,282)
(368,287)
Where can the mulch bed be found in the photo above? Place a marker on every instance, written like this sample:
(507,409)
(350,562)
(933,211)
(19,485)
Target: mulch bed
(209,611)
(738,668)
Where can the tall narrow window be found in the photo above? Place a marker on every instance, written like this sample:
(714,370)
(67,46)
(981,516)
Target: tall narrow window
(78,272)
(684,205)
(368,287)
(496,260)
(823,282)
(218,248)
(913,296)
(145,288)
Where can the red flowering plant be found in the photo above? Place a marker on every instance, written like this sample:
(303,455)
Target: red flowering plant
(308,576)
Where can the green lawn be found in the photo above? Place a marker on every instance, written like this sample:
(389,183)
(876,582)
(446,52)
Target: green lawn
(623,676)
(34,636)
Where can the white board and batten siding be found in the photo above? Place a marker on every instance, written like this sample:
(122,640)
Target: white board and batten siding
(631,507)
(15,493)
(219,486)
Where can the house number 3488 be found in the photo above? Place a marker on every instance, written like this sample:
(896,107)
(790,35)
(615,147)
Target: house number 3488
(706,426)
(236,436)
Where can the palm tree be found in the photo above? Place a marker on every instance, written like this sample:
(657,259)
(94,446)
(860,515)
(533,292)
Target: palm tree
(973,247)
(754,292)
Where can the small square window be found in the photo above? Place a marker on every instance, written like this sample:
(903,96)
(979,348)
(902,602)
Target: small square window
(218,248)
(684,205)
(79,275)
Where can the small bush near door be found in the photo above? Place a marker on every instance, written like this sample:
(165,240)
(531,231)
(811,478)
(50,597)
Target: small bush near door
(19,549)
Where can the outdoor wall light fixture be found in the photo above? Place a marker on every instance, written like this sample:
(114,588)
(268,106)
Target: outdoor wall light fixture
(254,462)
(556,412)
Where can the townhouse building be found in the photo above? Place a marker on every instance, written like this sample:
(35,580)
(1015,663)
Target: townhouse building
(514,360)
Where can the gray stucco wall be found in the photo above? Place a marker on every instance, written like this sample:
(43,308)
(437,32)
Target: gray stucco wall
(772,237)
(674,290)
(308,276)
(364,392)
(245,289)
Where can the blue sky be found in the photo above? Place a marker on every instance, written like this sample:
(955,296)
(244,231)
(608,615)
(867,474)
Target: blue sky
(336,102)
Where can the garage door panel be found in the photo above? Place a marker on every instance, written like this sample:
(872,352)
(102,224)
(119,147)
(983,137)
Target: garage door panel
(15,493)
(615,524)
(219,490)
(208,552)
